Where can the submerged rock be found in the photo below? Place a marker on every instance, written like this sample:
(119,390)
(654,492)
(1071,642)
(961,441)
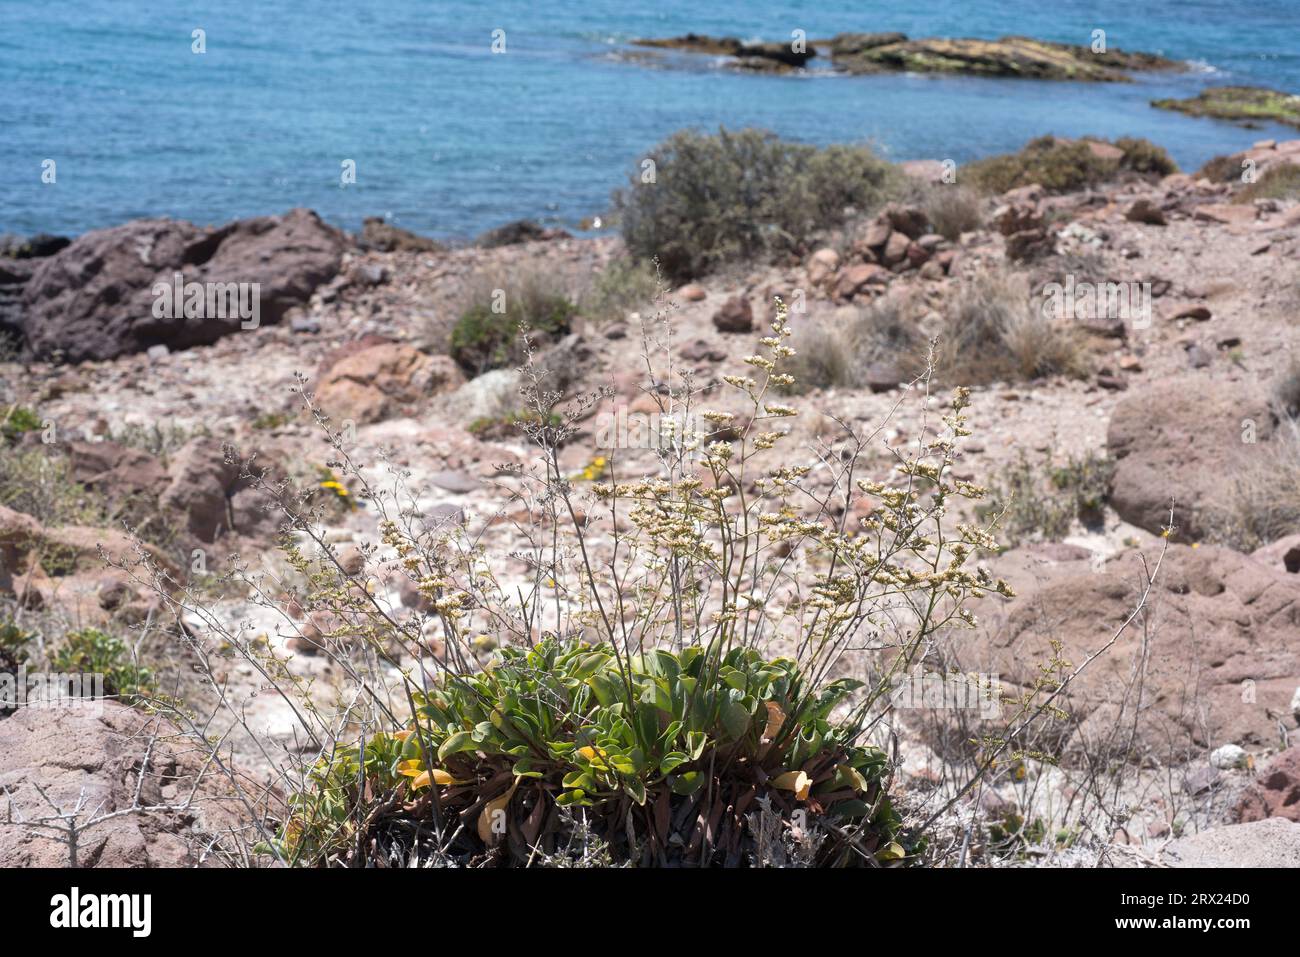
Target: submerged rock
(780,55)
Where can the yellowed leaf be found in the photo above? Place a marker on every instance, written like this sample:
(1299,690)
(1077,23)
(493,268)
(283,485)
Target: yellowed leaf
(421,778)
(438,776)
(494,812)
(891,852)
(849,776)
(775,719)
(796,781)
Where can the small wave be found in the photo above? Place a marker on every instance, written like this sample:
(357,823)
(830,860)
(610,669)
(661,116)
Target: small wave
(603,37)
(1202,66)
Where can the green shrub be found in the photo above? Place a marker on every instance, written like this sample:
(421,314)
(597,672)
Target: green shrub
(741,196)
(159,438)
(13,655)
(1063,166)
(1041,501)
(568,725)
(42,486)
(511,424)
(1012,837)
(18,420)
(953,209)
(1143,156)
(1221,169)
(91,651)
(268,421)
(623,285)
(1278,182)
(13,645)
(486,336)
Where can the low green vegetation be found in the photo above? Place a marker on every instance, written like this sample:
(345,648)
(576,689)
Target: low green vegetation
(269,421)
(1143,156)
(91,651)
(13,645)
(623,285)
(1278,182)
(512,424)
(628,739)
(1040,501)
(952,209)
(1062,166)
(701,201)
(18,420)
(676,702)
(497,307)
(1250,104)
(41,485)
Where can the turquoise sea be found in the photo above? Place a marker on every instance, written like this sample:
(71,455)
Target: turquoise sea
(449,138)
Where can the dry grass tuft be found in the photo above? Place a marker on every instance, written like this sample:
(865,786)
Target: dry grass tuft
(993,333)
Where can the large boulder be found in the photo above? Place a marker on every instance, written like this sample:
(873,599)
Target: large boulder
(117,472)
(212,494)
(201,484)
(92,574)
(198,496)
(1218,638)
(749,55)
(101,762)
(734,315)
(382,380)
(519,231)
(1283,553)
(1275,792)
(1271,843)
(382,236)
(96,298)
(32,247)
(1184,440)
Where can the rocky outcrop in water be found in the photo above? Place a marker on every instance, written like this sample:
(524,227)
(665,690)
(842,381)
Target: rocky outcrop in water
(862,53)
(1249,104)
